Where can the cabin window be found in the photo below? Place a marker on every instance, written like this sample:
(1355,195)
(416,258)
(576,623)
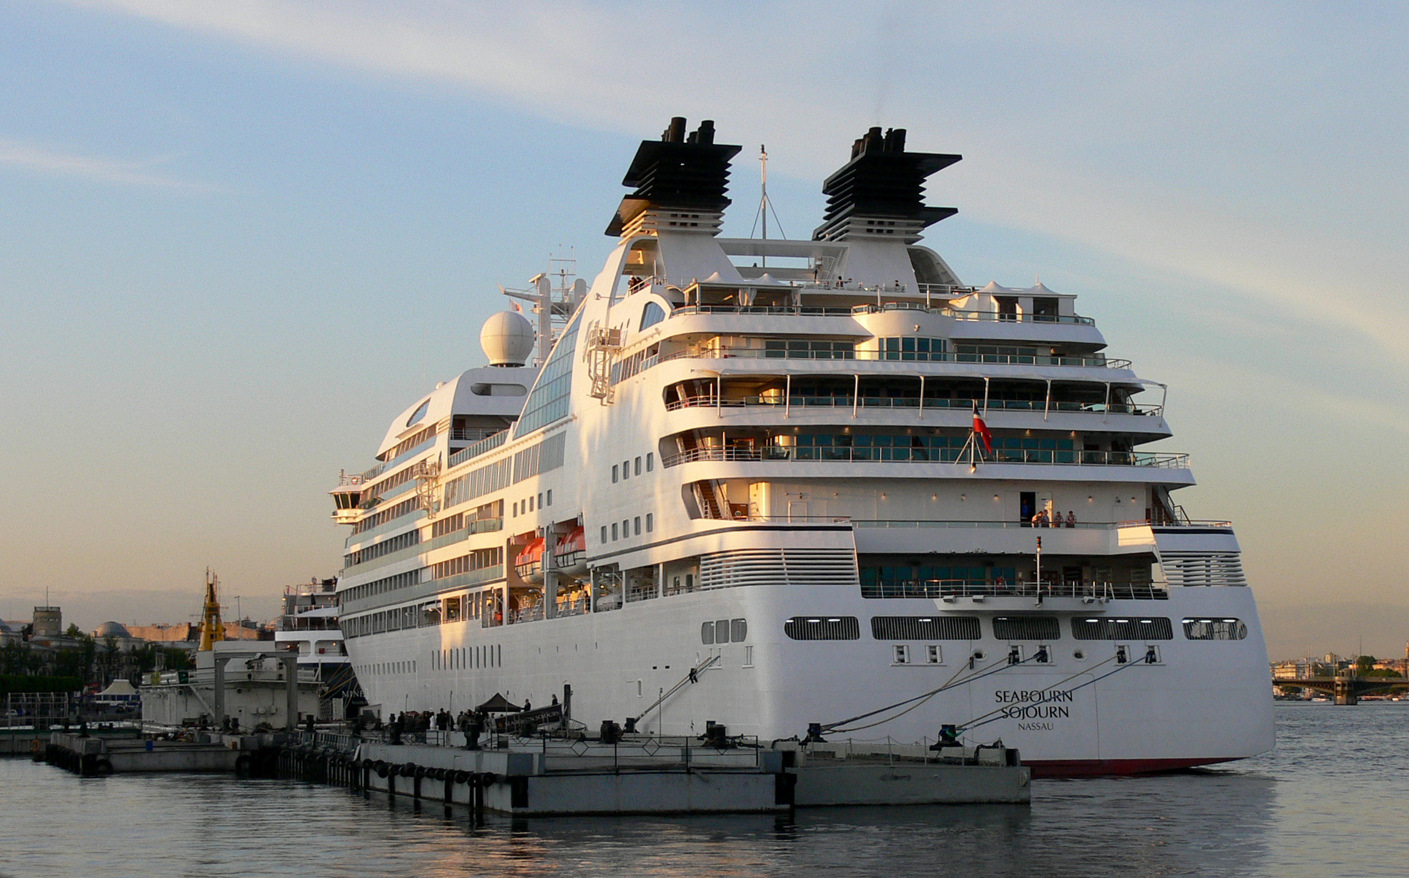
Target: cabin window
(1215,629)
(823,628)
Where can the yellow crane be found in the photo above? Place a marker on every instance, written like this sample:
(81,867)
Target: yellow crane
(211,627)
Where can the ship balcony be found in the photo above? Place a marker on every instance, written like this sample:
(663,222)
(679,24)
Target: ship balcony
(953,537)
(1018,457)
(933,291)
(725,352)
(949,590)
(785,405)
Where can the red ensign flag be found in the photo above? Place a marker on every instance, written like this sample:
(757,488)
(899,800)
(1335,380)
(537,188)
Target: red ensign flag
(982,430)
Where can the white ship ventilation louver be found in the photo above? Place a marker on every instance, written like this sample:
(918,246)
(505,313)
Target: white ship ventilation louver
(1203,568)
(743,567)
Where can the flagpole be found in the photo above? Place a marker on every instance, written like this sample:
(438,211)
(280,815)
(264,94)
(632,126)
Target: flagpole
(1039,570)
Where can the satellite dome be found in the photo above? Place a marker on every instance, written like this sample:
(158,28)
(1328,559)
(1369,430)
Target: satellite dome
(111,629)
(507,339)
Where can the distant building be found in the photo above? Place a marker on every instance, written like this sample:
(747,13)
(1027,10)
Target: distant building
(48,622)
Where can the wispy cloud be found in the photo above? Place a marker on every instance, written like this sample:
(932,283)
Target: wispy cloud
(42,159)
(611,66)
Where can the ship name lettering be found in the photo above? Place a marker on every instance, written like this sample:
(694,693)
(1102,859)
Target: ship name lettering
(1032,696)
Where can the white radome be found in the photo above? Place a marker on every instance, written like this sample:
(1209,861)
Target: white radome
(507,339)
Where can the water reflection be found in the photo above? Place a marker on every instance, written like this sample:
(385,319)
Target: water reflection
(1327,803)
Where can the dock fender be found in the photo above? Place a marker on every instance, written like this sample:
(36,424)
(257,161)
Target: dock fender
(243,763)
(409,770)
(102,767)
(462,776)
(385,770)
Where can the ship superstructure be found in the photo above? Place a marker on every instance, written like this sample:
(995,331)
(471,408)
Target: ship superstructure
(776,484)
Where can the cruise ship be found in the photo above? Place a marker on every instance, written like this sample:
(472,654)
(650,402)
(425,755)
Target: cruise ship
(812,488)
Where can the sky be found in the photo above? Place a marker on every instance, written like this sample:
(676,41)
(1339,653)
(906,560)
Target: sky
(237,238)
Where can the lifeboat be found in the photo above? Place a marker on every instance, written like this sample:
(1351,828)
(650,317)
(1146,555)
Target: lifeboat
(528,563)
(570,551)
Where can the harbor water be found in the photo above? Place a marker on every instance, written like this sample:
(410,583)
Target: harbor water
(1330,801)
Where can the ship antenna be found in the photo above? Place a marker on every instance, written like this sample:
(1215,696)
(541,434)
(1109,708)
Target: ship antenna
(764,205)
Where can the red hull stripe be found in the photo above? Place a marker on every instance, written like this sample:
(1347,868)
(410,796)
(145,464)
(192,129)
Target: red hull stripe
(1099,767)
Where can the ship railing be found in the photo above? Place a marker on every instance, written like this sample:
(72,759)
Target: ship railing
(1087,590)
(786,311)
(976,525)
(374,472)
(999,317)
(569,559)
(746,353)
(471,451)
(881,454)
(484,525)
(872,308)
(650,752)
(528,614)
(1188,522)
(803,401)
(577,607)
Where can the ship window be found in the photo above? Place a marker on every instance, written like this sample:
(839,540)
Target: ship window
(925,628)
(625,469)
(1026,628)
(625,528)
(707,634)
(1122,629)
(902,655)
(650,460)
(652,314)
(614,473)
(550,399)
(614,532)
(550,496)
(823,628)
(738,630)
(638,466)
(1215,629)
(721,631)
(636,525)
(419,413)
(650,519)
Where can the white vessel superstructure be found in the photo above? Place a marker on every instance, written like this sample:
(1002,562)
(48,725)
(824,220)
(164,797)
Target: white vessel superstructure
(776,484)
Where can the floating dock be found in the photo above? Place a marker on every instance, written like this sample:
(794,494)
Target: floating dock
(91,756)
(554,777)
(650,776)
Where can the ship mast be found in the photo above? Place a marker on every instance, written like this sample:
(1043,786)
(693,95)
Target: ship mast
(211,627)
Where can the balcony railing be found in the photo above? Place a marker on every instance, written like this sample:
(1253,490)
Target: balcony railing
(736,352)
(805,311)
(960,588)
(480,447)
(1048,457)
(914,402)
